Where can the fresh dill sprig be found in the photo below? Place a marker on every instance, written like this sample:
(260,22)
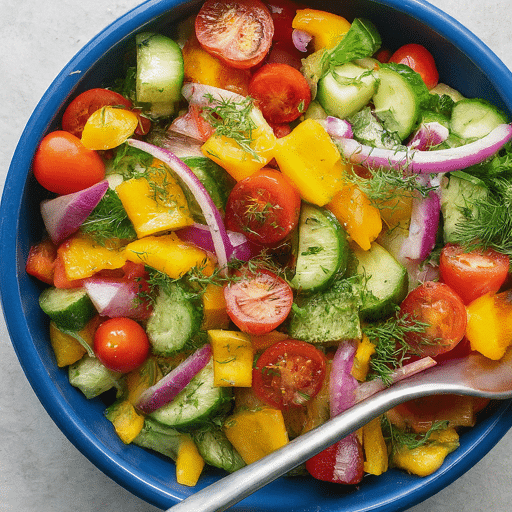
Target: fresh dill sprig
(391,346)
(232,119)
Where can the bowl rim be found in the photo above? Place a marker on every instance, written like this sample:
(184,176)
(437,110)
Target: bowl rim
(491,429)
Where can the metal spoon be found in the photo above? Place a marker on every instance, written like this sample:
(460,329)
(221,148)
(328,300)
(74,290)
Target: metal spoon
(474,375)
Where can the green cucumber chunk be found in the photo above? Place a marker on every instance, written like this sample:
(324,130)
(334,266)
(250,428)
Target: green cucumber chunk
(160,72)
(475,118)
(386,282)
(322,249)
(91,377)
(196,403)
(346,89)
(70,309)
(159,438)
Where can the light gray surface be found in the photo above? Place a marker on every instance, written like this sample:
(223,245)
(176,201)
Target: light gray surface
(40,470)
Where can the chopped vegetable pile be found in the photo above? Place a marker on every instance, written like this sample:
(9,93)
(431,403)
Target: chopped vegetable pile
(256,228)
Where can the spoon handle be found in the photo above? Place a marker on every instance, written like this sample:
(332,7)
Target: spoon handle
(236,486)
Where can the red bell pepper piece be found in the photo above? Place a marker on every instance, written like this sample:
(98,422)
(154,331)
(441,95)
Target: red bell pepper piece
(40,261)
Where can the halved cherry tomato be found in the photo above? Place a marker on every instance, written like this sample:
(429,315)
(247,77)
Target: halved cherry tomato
(264,206)
(121,344)
(289,373)
(420,59)
(258,302)
(475,273)
(281,92)
(437,305)
(78,111)
(239,32)
(284,53)
(62,164)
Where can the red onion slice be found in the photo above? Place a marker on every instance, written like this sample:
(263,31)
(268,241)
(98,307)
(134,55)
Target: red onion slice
(428,135)
(301,40)
(167,388)
(428,162)
(201,94)
(210,211)
(337,128)
(342,384)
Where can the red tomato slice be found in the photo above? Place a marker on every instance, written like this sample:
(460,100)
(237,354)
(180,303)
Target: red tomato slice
(281,92)
(264,206)
(289,373)
(62,164)
(78,111)
(475,273)
(238,32)
(437,305)
(420,59)
(121,344)
(258,302)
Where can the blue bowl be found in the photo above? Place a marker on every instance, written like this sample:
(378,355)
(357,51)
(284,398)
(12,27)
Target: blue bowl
(464,62)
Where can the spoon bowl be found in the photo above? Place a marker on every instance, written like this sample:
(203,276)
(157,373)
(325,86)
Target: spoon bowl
(474,375)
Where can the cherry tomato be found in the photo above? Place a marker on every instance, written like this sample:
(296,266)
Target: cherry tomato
(437,305)
(289,373)
(62,164)
(420,59)
(282,12)
(238,32)
(121,344)
(264,206)
(281,92)
(258,302)
(475,273)
(78,111)
(144,124)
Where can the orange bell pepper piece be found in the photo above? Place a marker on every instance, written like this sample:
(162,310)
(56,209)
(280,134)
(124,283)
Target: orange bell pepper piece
(41,260)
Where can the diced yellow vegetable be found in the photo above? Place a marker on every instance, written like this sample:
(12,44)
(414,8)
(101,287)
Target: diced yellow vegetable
(263,341)
(66,348)
(255,434)
(326,28)
(189,463)
(169,254)
(312,162)
(155,204)
(232,358)
(426,459)
(238,161)
(127,422)
(357,215)
(318,408)
(364,352)
(214,308)
(140,379)
(489,327)
(204,68)
(82,256)
(375,449)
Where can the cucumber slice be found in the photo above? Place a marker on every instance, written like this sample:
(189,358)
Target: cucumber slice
(386,281)
(160,72)
(346,89)
(475,118)
(322,249)
(175,320)
(91,377)
(398,98)
(159,438)
(70,309)
(198,402)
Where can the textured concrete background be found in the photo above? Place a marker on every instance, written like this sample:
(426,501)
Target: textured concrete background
(40,470)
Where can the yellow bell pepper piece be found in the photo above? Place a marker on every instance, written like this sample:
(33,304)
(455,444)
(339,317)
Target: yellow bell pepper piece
(357,215)
(318,408)
(238,161)
(82,256)
(426,459)
(108,128)
(214,308)
(155,204)
(327,29)
(364,352)
(489,327)
(312,162)
(67,349)
(204,68)
(140,379)
(170,255)
(263,341)
(189,463)
(395,210)
(255,434)
(232,358)
(127,422)
(375,449)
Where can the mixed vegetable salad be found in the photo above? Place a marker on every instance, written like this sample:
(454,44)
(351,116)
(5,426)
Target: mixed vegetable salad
(270,217)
